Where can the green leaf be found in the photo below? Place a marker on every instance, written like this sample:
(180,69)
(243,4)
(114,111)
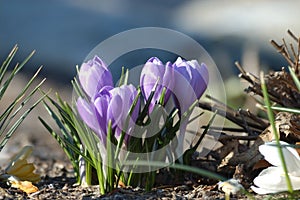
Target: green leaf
(7,117)
(124,77)
(275,132)
(188,153)
(283,109)
(6,63)
(143,114)
(187,168)
(295,78)
(109,155)
(14,114)
(17,124)
(12,75)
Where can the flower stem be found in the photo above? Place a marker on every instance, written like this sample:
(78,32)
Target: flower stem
(162,96)
(276,135)
(227,196)
(100,172)
(110,170)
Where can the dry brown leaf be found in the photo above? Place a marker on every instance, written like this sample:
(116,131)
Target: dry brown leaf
(261,164)
(121,184)
(297,149)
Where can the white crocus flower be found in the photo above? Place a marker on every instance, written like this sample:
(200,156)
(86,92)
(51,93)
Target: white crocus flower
(272,179)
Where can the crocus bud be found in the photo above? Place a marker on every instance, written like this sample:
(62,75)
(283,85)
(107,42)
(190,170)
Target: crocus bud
(94,113)
(154,71)
(191,81)
(94,75)
(119,107)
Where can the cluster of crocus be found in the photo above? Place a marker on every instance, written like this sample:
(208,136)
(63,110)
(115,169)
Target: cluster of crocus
(272,179)
(184,80)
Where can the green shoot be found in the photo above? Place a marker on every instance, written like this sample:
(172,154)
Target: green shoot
(295,78)
(12,116)
(275,132)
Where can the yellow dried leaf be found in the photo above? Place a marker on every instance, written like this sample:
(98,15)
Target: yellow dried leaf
(25,186)
(24,170)
(19,167)
(22,155)
(32,177)
(121,184)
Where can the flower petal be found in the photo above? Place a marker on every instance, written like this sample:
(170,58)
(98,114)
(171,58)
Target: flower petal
(270,152)
(272,180)
(119,108)
(87,113)
(94,75)
(191,82)
(263,190)
(154,71)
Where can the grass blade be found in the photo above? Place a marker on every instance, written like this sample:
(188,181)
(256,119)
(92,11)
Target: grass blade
(7,62)
(275,132)
(17,123)
(295,78)
(282,109)
(187,168)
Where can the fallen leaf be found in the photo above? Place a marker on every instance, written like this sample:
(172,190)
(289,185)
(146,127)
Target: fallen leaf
(20,168)
(121,184)
(25,186)
(261,164)
(298,149)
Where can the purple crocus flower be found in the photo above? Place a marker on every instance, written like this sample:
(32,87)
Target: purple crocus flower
(109,104)
(94,75)
(94,113)
(191,82)
(154,70)
(119,106)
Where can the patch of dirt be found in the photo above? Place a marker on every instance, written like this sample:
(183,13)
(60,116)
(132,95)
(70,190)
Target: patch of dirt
(58,182)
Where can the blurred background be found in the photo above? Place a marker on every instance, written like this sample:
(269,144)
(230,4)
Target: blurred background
(63,32)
